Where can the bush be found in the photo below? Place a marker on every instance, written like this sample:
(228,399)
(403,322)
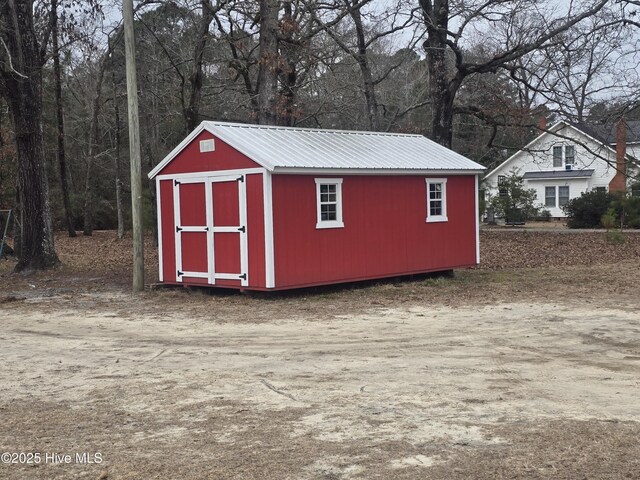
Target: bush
(587,210)
(544,215)
(516,204)
(608,220)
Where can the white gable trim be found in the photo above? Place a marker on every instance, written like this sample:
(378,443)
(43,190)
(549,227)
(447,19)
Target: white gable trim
(174,153)
(554,128)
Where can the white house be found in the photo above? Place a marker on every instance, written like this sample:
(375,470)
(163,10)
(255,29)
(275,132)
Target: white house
(569,159)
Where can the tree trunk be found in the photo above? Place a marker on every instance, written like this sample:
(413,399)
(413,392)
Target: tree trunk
(22,80)
(93,147)
(62,161)
(269,63)
(365,70)
(117,162)
(440,92)
(289,74)
(191,114)
(36,235)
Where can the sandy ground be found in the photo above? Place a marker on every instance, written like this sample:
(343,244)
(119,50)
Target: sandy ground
(407,388)
(527,368)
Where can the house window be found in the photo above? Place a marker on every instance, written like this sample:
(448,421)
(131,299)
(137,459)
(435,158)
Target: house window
(564,155)
(436,199)
(557,156)
(329,203)
(550,197)
(563,195)
(600,189)
(569,155)
(502,190)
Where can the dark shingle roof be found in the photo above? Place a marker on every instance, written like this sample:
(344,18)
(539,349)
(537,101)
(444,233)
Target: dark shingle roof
(606,132)
(557,174)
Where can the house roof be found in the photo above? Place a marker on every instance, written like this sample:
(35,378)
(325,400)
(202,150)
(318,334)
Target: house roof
(606,132)
(557,174)
(287,149)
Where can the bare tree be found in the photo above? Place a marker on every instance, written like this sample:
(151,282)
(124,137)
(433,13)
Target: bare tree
(22,56)
(448,67)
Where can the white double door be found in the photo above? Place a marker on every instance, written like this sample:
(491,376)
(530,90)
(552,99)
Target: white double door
(210,216)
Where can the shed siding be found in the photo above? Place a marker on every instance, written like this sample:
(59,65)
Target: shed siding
(385,231)
(190,159)
(255,231)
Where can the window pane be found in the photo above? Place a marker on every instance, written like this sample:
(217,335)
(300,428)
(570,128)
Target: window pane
(332,197)
(557,156)
(328,212)
(324,188)
(436,208)
(563,196)
(324,197)
(550,196)
(569,154)
(332,188)
(501,179)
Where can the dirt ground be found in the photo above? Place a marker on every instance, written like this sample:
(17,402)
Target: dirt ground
(515,370)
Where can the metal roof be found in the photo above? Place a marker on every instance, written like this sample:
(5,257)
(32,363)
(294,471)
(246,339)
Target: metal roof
(292,149)
(554,174)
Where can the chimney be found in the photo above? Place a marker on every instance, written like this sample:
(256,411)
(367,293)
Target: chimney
(619,182)
(542,123)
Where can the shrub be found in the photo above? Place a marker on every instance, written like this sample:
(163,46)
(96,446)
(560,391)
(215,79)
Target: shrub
(586,211)
(544,215)
(516,203)
(608,220)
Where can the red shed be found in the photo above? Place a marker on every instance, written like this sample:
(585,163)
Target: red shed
(269,208)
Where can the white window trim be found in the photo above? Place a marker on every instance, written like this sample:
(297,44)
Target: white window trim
(337,223)
(437,218)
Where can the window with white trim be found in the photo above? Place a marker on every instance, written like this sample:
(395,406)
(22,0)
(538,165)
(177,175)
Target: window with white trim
(329,203)
(557,156)
(564,155)
(550,197)
(436,199)
(563,195)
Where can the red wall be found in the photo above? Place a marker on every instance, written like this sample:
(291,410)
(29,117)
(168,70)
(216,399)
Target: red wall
(223,158)
(384,234)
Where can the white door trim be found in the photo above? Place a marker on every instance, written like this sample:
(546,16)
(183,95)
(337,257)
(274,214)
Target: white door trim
(267,190)
(159,220)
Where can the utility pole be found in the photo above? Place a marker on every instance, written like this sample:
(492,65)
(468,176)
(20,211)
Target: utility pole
(134,147)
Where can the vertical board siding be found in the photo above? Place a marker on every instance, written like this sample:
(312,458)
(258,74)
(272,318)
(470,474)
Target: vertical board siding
(168,231)
(192,160)
(385,231)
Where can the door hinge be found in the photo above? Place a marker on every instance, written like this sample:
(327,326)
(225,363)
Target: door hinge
(178,229)
(180,273)
(243,276)
(241,178)
(241,229)
(176,183)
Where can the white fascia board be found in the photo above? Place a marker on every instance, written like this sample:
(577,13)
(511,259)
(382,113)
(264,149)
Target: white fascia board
(370,171)
(223,135)
(174,153)
(217,132)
